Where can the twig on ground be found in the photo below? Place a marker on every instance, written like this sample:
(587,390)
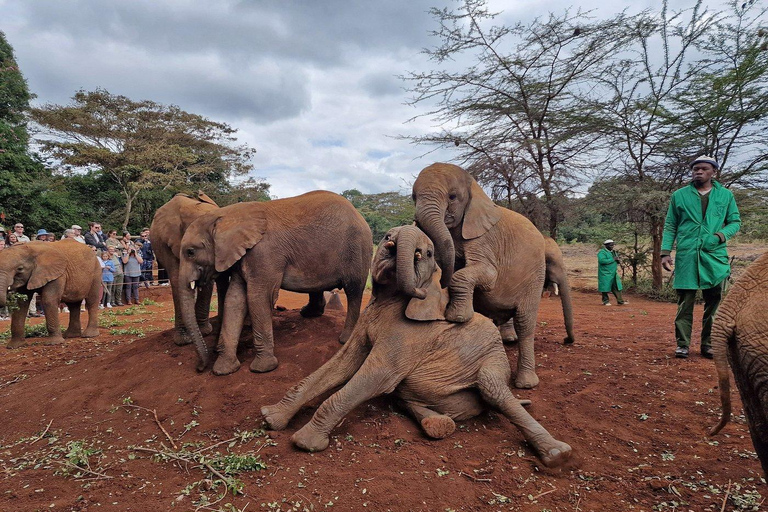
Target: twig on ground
(543,494)
(154,413)
(176,456)
(43,434)
(725,498)
(474,478)
(18,378)
(96,473)
(215,445)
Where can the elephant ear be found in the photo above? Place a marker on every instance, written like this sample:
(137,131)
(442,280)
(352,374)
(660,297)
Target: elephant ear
(432,307)
(233,235)
(203,198)
(48,266)
(481,214)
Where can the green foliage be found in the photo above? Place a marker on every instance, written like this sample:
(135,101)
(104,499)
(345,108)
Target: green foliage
(382,211)
(30,331)
(77,458)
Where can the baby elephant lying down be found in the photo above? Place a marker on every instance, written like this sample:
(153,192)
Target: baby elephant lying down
(441,371)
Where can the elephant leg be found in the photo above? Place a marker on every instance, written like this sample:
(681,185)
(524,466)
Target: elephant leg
(51,299)
(525,324)
(231,326)
(462,289)
(316,305)
(493,387)
(18,319)
(92,306)
(354,292)
(181,337)
(74,329)
(203,308)
(261,300)
(336,371)
(222,284)
(508,332)
(375,377)
(435,425)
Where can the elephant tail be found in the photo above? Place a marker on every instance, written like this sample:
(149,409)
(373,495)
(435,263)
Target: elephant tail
(723,333)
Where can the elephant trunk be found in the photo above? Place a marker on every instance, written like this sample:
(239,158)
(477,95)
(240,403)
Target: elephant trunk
(565,299)
(3,291)
(406,258)
(431,220)
(189,318)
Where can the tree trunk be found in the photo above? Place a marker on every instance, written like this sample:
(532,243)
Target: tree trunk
(128,208)
(657,231)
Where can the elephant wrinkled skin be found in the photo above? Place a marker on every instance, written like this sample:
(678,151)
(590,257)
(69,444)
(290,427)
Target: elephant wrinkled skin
(493,259)
(168,226)
(440,371)
(65,271)
(311,243)
(740,338)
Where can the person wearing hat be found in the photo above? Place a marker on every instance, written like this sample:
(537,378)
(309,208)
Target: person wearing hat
(702,216)
(42,235)
(78,233)
(608,279)
(2,233)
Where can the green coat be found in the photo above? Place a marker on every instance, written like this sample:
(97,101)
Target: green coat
(701,260)
(607,277)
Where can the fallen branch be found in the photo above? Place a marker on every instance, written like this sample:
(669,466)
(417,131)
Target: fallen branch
(78,468)
(543,494)
(19,378)
(474,478)
(154,413)
(175,456)
(43,434)
(725,498)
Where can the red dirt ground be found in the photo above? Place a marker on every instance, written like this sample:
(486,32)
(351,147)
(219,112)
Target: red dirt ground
(636,418)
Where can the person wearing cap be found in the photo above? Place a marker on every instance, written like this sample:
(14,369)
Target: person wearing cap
(702,216)
(2,233)
(78,233)
(608,279)
(18,230)
(42,235)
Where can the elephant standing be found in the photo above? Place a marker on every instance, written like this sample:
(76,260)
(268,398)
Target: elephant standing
(65,271)
(440,371)
(493,259)
(740,337)
(311,243)
(168,226)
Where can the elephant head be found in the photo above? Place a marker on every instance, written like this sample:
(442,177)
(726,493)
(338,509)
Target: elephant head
(212,244)
(450,204)
(27,266)
(405,263)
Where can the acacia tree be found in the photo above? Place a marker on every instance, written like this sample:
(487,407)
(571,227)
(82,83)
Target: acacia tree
(515,114)
(141,145)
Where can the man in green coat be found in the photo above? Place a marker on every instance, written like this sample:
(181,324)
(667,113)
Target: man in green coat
(607,278)
(701,218)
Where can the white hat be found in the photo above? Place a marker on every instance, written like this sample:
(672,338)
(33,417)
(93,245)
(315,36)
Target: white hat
(609,241)
(704,159)
(75,226)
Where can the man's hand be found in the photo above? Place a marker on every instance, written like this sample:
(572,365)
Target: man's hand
(666,263)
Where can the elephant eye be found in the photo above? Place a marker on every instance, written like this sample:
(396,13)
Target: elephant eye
(190,252)
(452,197)
(429,254)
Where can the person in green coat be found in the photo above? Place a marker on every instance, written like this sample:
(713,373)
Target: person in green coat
(608,279)
(701,218)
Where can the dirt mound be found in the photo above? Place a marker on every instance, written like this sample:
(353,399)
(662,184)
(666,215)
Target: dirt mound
(636,417)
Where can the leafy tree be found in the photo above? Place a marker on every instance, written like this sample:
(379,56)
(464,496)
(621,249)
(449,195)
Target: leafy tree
(382,211)
(140,145)
(515,113)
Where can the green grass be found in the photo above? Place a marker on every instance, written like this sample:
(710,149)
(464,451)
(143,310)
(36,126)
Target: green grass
(30,331)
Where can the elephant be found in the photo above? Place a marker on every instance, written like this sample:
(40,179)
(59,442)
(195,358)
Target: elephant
(65,271)
(311,243)
(740,337)
(492,259)
(168,226)
(439,371)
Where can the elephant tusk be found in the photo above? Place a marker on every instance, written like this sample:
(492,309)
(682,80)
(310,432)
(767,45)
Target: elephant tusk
(417,256)
(557,289)
(192,284)
(389,244)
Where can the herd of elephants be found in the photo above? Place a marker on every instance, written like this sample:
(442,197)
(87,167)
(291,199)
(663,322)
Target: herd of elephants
(447,293)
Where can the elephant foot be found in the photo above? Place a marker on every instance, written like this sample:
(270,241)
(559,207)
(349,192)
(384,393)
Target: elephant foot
(73,333)
(181,339)
(276,420)
(91,332)
(568,340)
(438,427)
(459,314)
(556,455)
(53,340)
(310,440)
(206,328)
(224,366)
(311,312)
(508,334)
(15,343)
(526,379)
(264,364)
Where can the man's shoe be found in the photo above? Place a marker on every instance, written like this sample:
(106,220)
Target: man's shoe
(607,304)
(681,352)
(622,303)
(707,352)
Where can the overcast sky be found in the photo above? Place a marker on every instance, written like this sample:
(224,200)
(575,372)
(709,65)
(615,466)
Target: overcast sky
(311,85)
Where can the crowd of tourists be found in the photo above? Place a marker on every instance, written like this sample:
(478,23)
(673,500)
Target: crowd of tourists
(126,263)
